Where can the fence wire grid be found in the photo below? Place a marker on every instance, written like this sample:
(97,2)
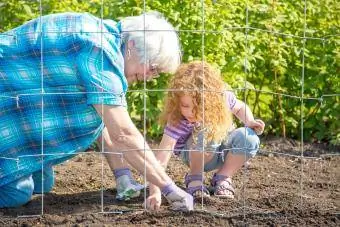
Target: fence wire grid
(243,207)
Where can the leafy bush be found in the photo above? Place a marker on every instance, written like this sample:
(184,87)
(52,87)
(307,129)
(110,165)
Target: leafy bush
(261,56)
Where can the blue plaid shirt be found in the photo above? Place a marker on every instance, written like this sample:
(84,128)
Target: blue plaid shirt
(52,70)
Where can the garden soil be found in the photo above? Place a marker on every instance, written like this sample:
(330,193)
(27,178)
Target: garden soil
(278,188)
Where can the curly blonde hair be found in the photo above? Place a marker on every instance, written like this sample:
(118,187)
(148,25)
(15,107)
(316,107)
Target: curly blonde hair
(201,81)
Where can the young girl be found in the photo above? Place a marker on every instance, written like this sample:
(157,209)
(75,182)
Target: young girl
(199,121)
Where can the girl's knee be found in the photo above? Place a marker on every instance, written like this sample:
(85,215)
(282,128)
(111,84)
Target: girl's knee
(245,140)
(16,193)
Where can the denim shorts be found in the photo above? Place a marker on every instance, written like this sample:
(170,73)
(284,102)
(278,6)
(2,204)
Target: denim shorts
(241,141)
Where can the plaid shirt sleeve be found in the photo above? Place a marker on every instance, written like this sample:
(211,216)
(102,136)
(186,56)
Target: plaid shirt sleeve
(101,64)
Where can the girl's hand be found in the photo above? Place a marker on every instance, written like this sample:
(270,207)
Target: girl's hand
(153,202)
(257,125)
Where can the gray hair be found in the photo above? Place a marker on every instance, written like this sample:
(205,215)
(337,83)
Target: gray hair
(162,46)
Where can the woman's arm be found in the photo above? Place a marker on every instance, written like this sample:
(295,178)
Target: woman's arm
(127,139)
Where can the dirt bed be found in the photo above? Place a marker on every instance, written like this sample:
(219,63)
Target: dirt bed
(278,188)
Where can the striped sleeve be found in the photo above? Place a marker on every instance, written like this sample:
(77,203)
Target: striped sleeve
(172,131)
(230,99)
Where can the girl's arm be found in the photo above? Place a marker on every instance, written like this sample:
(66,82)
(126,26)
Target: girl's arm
(244,114)
(166,148)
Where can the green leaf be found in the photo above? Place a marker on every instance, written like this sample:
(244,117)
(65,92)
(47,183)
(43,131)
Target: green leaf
(27,9)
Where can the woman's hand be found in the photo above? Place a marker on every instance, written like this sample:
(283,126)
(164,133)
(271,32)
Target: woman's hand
(257,125)
(153,202)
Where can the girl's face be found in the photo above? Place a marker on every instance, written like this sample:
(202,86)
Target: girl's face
(187,108)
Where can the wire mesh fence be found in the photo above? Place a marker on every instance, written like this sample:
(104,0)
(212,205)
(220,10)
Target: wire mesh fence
(296,163)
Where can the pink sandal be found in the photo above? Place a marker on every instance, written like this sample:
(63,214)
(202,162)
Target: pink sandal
(221,184)
(194,190)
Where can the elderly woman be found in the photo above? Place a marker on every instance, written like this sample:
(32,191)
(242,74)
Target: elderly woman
(63,81)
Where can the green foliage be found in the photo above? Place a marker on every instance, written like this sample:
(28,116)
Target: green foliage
(256,59)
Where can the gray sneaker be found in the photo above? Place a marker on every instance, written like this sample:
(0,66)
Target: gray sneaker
(127,188)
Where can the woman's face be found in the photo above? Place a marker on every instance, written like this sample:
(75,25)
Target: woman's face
(187,107)
(133,69)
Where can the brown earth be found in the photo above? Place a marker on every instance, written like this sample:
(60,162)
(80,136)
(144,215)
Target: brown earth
(279,188)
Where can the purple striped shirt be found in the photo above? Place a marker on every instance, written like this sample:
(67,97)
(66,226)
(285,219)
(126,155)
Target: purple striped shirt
(183,130)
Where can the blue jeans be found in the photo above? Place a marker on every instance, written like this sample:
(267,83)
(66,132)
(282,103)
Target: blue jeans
(19,192)
(241,141)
